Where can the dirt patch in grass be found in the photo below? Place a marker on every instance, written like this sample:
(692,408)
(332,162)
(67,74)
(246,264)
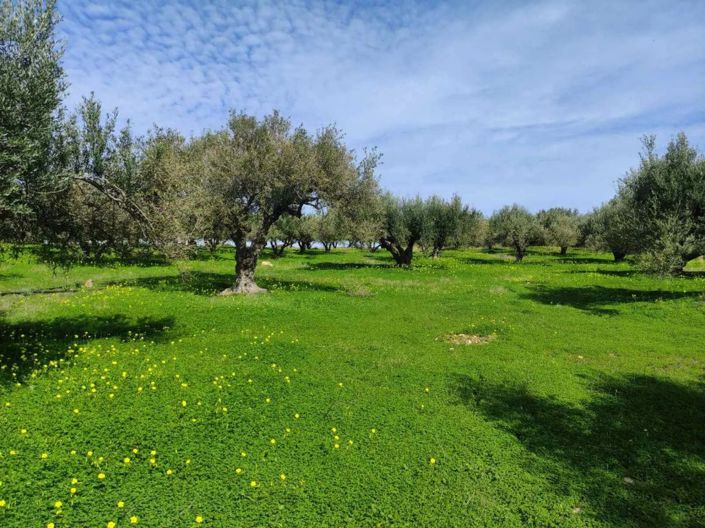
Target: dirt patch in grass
(470,339)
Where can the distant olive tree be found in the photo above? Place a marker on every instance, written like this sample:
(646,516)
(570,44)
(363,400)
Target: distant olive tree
(305,229)
(362,216)
(560,226)
(516,227)
(329,228)
(282,235)
(444,223)
(260,170)
(612,227)
(406,223)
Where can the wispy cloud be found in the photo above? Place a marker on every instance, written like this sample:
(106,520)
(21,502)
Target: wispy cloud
(539,103)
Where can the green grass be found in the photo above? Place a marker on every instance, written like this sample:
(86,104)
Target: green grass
(588,409)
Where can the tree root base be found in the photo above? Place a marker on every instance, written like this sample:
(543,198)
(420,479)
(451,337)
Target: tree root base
(243,290)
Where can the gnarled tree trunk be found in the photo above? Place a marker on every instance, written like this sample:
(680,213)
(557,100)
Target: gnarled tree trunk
(618,255)
(245,265)
(402,255)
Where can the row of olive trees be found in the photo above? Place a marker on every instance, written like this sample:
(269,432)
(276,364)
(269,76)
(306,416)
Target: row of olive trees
(515,227)
(82,188)
(657,215)
(395,224)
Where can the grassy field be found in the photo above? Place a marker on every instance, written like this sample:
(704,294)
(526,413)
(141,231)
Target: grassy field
(347,397)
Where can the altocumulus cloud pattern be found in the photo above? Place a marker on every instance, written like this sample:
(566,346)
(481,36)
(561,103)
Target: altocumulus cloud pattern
(537,102)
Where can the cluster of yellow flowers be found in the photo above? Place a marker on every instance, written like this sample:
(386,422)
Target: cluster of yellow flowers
(102,374)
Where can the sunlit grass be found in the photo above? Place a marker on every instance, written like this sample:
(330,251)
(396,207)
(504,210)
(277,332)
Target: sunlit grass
(340,398)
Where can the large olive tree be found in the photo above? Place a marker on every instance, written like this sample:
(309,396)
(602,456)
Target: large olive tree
(31,86)
(257,170)
(667,197)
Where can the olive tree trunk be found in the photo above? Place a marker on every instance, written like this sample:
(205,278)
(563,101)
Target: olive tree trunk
(402,255)
(618,255)
(245,265)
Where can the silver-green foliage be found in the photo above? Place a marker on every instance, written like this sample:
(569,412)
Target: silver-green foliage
(666,196)
(31,86)
(515,226)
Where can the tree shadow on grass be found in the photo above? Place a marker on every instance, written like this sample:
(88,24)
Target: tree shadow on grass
(27,345)
(346,266)
(580,259)
(274,284)
(609,273)
(196,282)
(687,274)
(207,283)
(634,452)
(594,299)
(507,259)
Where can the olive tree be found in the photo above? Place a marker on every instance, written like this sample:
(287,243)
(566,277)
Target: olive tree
(31,86)
(561,227)
(516,227)
(329,228)
(305,229)
(612,227)
(92,153)
(282,235)
(473,229)
(362,215)
(667,197)
(406,223)
(115,193)
(261,169)
(445,221)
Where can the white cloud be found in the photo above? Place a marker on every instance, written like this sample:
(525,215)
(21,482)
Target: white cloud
(538,103)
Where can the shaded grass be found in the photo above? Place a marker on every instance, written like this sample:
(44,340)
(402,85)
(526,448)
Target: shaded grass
(633,449)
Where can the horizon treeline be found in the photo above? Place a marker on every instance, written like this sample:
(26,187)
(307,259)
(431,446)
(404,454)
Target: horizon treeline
(83,189)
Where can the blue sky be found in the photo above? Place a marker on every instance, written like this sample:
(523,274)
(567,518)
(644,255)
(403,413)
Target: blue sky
(540,103)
